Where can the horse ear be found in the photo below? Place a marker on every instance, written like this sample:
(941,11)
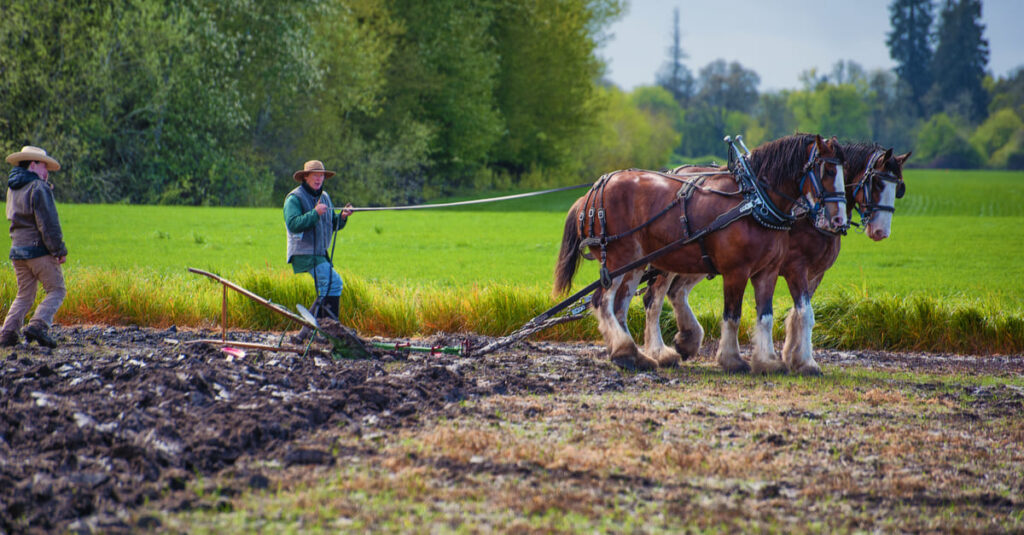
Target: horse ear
(887,155)
(901,159)
(818,142)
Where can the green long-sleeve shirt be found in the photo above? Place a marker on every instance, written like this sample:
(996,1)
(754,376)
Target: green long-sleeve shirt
(298,221)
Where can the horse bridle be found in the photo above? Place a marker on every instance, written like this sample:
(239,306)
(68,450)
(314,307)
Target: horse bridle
(821,197)
(764,210)
(867,209)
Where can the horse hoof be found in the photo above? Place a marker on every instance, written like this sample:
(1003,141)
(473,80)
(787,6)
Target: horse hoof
(809,370)
(735,366)
(687,346)
(626,362)
(769,367)
(634,361)
(668,358)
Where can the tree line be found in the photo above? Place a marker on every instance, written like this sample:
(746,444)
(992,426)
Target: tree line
(217,102)
(939,101)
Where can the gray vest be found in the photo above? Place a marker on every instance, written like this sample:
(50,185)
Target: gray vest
(316,239)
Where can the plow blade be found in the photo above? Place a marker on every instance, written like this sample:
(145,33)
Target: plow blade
(345,342)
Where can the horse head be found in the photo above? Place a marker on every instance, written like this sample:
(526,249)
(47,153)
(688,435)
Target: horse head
(875,195)
(823,187)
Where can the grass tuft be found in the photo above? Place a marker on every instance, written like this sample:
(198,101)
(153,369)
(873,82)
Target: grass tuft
(148,298)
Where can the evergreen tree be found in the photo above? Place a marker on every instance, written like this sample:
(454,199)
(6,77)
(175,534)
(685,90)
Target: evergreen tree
(909,46)
(675,77)
(961,56)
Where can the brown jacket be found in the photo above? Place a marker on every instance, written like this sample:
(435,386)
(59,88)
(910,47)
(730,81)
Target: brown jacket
(35,227)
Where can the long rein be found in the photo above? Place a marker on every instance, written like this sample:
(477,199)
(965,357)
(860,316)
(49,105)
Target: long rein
(469,202)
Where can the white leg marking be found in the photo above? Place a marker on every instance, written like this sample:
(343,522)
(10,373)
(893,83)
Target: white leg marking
(654,344)
(690,334)
(729,348)
(764,359)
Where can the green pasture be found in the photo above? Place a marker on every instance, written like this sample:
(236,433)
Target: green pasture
(956,244)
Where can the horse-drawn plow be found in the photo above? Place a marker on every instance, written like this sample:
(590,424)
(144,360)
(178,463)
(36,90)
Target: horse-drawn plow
(754,203)
(344,342)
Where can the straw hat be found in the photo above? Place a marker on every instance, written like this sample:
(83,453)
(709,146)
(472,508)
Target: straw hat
(33,154)
(312,166)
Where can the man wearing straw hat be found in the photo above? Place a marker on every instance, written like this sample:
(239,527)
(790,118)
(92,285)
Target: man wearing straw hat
(37,246)
(310,220)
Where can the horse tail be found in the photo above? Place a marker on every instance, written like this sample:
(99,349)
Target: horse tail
(569,255)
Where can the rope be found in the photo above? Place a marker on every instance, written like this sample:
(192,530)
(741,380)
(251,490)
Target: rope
(464,203)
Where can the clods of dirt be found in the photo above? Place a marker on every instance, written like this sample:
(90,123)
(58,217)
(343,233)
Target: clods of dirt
(115,418)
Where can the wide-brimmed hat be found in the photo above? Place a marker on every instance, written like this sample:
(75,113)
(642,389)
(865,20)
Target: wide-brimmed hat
(312,166)
(33,154)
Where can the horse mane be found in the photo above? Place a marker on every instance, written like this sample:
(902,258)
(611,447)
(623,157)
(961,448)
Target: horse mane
(857,156)
(781,160)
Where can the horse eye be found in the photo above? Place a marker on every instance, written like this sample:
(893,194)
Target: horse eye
(901,189)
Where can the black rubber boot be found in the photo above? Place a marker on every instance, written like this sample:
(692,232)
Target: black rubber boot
(37,334)
(9,339)
(332,306)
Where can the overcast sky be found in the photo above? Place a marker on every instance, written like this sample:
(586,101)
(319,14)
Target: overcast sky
(779,39)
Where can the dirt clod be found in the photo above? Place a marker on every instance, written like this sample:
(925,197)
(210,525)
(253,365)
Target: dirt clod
(115,418)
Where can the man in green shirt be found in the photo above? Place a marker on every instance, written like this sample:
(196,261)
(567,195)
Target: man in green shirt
(310,220)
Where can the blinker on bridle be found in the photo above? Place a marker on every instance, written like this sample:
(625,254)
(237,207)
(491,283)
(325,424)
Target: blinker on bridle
(764,210)
(821,196)
(866,186)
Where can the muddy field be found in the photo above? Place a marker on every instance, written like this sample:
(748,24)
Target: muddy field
(127,430)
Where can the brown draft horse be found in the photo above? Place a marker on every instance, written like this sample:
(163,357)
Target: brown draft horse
(876,181)
(644,211)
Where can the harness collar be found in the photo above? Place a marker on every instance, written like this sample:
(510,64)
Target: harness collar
(763,209)
(760,204)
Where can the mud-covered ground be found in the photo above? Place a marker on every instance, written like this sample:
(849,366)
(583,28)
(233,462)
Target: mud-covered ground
(128,429)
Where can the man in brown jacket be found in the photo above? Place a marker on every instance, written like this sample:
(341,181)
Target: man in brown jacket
(37,246)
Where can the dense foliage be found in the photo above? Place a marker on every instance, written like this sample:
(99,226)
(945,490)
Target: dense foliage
(217,102)
(205,102)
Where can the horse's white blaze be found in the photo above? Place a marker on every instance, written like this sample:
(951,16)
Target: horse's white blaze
(840,184)
(881,222)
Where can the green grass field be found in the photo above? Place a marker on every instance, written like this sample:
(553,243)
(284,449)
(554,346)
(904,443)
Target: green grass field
(956,244)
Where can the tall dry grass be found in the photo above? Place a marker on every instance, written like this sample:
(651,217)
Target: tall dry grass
(147,298)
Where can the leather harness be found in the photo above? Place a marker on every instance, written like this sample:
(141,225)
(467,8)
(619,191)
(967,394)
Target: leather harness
(592,219)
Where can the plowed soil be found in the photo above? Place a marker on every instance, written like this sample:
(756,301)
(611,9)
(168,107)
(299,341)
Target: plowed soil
(128,429)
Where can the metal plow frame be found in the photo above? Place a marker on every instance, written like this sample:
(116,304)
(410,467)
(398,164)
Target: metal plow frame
(349,347)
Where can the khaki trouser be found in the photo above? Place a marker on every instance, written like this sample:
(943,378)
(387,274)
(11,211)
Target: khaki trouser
(45,270)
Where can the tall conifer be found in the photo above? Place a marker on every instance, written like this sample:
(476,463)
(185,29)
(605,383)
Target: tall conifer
(909,46)
(961,56)
(675,77)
